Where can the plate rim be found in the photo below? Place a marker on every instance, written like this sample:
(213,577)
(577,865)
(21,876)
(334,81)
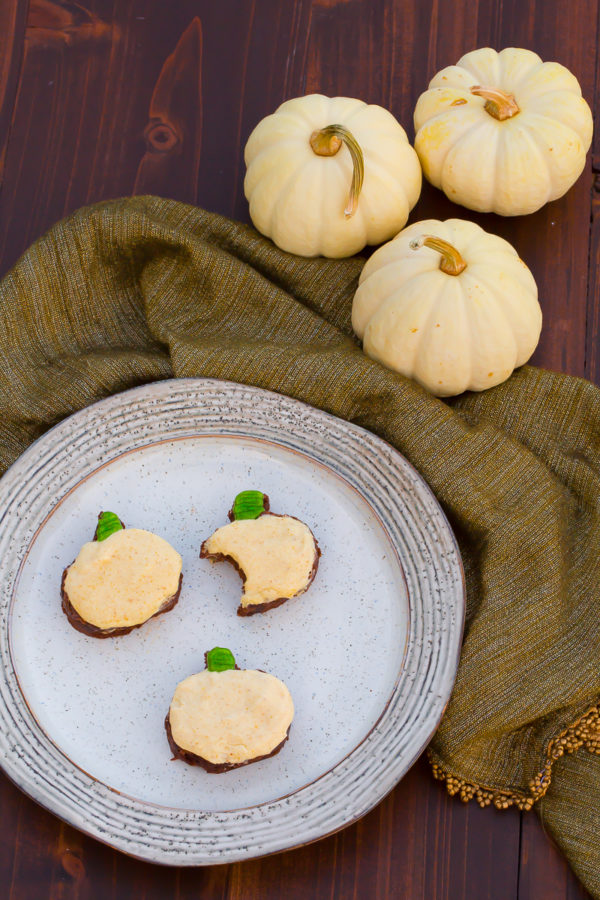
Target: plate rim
(231,391)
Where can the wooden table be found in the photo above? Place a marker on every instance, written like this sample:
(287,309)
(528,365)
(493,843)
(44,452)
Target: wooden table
(116,97)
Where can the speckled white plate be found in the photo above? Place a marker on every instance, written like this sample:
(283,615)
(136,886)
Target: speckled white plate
(369,652)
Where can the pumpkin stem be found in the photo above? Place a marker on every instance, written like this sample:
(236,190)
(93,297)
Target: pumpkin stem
(326,142)
(498,103)
(451,262)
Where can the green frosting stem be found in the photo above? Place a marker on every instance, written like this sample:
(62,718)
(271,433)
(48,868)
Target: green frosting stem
(108,523)
(248,505)
(219,659)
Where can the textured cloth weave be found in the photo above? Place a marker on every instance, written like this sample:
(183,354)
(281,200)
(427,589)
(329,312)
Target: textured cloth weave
(140,289)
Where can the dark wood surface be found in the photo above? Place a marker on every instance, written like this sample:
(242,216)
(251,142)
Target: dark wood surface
(112,97)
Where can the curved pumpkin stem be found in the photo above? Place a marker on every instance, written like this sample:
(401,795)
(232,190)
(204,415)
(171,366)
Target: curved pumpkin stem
(326,142)
(498,104)
(451,262)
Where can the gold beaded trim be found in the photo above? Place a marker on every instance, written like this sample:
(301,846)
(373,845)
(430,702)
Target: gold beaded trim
(585,732)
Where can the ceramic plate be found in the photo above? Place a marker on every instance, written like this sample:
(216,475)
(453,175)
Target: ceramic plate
(369,653)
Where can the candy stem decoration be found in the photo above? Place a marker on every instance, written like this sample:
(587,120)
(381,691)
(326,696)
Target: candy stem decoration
(108,523)
(248,505)
(219,659)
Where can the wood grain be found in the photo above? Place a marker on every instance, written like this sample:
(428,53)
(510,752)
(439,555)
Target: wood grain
(592,354)
(174,129)
(543,871)
(101,99)
(592,350)
(12,30)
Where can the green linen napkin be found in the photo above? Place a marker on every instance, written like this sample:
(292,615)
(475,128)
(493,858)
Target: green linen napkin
(139,289)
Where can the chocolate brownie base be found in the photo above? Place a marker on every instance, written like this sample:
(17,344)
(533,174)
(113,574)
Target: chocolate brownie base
(254,608)
(192,759)
(84,627)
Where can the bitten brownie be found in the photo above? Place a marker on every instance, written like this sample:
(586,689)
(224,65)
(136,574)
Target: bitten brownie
(225,717)
(276,556)
(120,580)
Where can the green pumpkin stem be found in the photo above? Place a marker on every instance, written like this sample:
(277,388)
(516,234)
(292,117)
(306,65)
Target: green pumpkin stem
(248,505)
(219,659)
(108,523)
(451,262)
(326,142)
(499,104)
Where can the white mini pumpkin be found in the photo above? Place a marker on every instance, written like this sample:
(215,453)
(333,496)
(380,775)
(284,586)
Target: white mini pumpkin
(503,132)
(449,305)
(328,175)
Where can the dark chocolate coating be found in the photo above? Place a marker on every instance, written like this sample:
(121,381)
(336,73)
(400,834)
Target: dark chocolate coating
(84,627)
(192,759)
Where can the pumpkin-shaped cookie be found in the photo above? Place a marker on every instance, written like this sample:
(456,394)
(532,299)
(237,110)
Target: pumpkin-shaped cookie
(327,175)
(277,556)
(225,717)
(503,132)
(122,578)
(449,305)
